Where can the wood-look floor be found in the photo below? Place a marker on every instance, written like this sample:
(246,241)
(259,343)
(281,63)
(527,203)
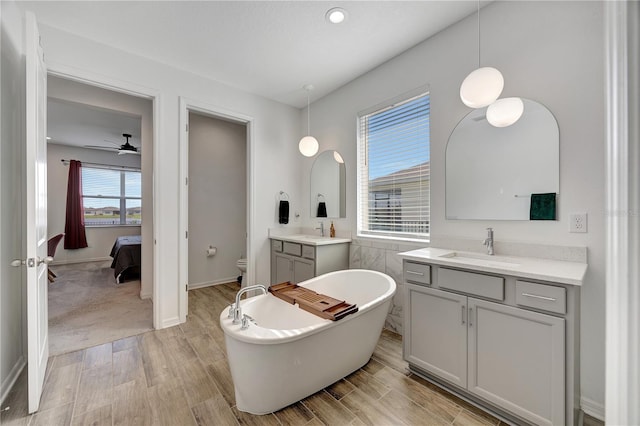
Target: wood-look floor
(180,376)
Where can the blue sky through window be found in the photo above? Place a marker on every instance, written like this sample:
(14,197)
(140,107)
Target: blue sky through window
(392,132)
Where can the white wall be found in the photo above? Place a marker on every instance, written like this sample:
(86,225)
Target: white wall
(551,52)
(90,95)
(275,131)
(12,288)
(217,199)
(99,239)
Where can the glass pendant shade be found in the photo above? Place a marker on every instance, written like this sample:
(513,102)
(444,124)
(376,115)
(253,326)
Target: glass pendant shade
(482,87)
(505,112)
(308,146)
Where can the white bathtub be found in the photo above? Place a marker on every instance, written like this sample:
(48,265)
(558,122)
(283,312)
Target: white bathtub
(287,354)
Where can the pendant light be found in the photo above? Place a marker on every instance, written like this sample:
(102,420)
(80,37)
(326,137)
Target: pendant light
(504,112)
(484,85)
(308,145)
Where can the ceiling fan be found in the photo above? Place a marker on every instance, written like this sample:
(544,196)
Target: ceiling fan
(125,148)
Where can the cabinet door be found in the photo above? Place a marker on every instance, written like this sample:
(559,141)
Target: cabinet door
(516,360)
(284,269)
(436,328)
(303,270)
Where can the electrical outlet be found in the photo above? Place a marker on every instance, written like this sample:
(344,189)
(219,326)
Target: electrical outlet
(578,222)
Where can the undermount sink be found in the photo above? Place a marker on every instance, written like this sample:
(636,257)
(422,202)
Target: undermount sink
(480,259)
(308,237)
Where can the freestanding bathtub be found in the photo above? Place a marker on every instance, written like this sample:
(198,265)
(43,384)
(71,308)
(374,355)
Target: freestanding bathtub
(287,353)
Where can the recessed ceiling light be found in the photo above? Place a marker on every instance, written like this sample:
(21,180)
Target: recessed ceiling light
(336,15)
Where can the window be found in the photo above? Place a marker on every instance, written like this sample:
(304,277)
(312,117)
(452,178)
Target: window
(393,169)
(111,196)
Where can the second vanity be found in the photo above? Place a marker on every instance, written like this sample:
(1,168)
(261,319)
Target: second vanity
(500,331)
(297,258)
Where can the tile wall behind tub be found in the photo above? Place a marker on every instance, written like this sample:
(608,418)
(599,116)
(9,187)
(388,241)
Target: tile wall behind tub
(383,257)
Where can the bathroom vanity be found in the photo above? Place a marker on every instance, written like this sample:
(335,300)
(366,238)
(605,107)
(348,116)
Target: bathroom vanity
(500,331)
(297,258)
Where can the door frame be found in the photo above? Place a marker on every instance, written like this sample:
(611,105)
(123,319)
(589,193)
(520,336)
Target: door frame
(215,111)
(127,88)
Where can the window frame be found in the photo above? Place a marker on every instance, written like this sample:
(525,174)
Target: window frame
(121,200)
(362,152)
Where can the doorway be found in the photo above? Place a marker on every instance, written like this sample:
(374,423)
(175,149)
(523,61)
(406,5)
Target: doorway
(89,302)
(217,200)
(204,112)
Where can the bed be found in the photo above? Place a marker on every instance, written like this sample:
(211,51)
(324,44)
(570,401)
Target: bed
(127,257)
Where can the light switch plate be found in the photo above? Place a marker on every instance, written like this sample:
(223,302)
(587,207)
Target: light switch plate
(578,222)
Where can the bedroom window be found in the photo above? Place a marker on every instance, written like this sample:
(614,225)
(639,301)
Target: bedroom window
(111,196)
(393,168)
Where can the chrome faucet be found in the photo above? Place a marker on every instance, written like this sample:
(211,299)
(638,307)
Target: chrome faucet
(234,310)
(321,228)
(489,241)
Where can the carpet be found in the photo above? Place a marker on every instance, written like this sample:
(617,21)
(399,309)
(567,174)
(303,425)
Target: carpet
(87,308)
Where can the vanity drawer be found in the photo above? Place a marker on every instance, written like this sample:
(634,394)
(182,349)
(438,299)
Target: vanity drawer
(292,248)
(471,283)
(276,245)
(417,272)
(308,252)
(541,296)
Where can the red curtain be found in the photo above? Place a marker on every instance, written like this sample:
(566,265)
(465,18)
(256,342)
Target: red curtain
(75,236)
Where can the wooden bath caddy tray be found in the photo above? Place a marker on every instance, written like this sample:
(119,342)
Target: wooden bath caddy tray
(318,304)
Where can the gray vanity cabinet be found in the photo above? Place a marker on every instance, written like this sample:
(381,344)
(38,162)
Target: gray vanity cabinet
(291,268)
(516,360)
(437,316)
(473,331)
(297,262)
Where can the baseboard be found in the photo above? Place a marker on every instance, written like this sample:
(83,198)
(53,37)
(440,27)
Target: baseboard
(7,385)
(212,283)
(170,322)
(74,261)
(592,408)
(146,295)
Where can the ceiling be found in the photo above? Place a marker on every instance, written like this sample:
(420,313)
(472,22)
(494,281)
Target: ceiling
(69,123)
(270,48)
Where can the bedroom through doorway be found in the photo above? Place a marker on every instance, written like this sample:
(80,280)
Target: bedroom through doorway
(99,168)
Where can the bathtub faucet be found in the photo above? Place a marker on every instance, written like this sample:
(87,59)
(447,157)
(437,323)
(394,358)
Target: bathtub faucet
(237,311)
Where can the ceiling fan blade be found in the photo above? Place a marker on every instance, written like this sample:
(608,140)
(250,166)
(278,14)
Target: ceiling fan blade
(125,151)
(104,148)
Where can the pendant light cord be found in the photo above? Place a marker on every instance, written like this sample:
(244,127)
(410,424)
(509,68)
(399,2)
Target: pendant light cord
(308,115)
(478,33)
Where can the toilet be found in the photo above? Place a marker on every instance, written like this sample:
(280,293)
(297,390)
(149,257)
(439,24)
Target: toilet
(242,265)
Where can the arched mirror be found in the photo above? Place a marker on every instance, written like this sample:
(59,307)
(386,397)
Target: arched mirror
(491,172)
(328,186)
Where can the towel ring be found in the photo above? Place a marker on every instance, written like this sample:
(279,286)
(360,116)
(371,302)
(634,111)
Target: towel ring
(283,196)
(320,197)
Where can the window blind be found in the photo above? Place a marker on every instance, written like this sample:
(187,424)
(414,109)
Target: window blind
(111,196)
(394,169)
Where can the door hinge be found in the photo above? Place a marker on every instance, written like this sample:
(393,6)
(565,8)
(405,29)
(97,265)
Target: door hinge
(186,127)
(186,287)
(186,234)
(186,181)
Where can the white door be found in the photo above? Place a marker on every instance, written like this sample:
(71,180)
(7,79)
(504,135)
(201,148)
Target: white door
(36,212)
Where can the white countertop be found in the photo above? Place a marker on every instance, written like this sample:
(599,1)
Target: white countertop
(524,267)
(311,240)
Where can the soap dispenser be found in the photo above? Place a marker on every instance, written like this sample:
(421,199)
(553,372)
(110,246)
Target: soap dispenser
(332,231)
